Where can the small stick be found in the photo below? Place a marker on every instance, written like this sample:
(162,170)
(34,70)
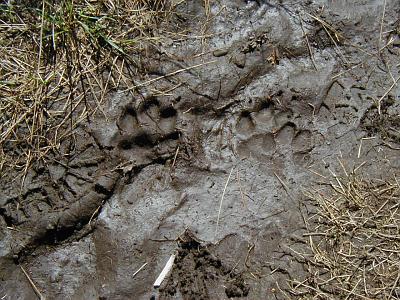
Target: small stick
(220,204)
(140,269)
(361,141)
(251,247)
(94,213)
(344,169)
(313,109)
(353,290)
(391,40)
(308,43)
(41,41)
(381,29)
(170,74)
(165,271)
(337,34)
(360,166)
(284,186)
(359,149)
(316,173)
(386,93)
(347,70)
(176,154)
(390,146)
(244,202)
(38,293)
(394,285)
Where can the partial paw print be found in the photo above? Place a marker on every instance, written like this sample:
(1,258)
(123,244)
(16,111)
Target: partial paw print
(265,131)
(298,142)
(147,132)
(272,112)
(262,116)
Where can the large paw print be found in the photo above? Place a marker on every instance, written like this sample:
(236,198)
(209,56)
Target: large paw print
(265,131)
(148,132)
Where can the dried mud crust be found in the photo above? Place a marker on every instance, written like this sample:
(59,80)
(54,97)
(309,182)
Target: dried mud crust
(199,274)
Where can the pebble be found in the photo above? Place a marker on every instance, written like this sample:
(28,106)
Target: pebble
(220,52)
(239,60)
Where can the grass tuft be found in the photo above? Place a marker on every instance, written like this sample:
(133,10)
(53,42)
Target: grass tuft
(58,62)
(353,241)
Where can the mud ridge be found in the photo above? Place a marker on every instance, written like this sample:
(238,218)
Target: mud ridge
(55,227)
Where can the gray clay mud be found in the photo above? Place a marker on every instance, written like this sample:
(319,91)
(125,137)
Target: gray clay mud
(281,92)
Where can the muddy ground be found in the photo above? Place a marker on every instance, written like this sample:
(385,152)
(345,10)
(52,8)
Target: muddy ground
(280,91)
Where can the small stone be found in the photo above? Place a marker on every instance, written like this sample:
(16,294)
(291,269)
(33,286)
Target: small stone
(50,226)
(220,52)
(239,60)
(41,206)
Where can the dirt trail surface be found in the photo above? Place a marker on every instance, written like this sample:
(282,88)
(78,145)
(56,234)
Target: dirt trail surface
(211,162)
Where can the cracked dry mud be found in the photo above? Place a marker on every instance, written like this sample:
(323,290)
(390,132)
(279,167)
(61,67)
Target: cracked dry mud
(155,166)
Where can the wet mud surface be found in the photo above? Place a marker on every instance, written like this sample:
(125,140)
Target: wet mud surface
(212,162)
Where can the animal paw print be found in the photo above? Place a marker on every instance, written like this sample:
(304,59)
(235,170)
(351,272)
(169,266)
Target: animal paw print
(264,131)
(148,132)
(295,141)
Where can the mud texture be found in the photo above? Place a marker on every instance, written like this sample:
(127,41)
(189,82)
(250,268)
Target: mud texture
(274,95)
(199,274)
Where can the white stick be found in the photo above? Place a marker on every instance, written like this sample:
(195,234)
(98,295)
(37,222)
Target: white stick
(140,269)
(220,204)
(165,271)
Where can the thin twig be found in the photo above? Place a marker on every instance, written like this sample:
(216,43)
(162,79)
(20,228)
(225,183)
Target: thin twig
(244,202)
(41,40)
(138,270)
(381,27)
(38,293)
(308,43)
(220,204)
(386,93)
(171,74)
(284,186)
(175,156)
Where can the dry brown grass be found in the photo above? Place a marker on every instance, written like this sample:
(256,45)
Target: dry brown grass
(58,62)
(353,241)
